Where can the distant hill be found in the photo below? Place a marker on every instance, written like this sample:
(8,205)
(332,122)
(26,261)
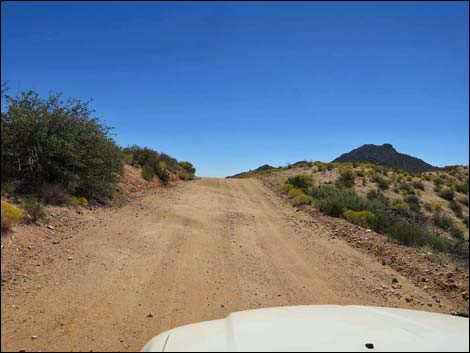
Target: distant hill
(250,172)
(385,155)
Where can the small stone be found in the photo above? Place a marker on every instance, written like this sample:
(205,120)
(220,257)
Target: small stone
(394,280)
(70,258)
(222,305)
(149,315)
(34,337)
(50,226)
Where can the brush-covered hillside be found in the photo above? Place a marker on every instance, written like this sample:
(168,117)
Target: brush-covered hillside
(428,210)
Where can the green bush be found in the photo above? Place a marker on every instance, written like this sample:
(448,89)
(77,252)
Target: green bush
(33,208)
(381,182)
(413,202)
(148,172)
(456,208)
(418,184)
(442,221)
(346,179)
(407,189)
(457,233)
(438,181)
(364,219)
(415,235)
(463,187)
(188,167)
(447,194)
(301,181)
(162,171)
(52,141)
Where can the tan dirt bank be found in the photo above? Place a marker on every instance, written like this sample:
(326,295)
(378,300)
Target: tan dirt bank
(196,252)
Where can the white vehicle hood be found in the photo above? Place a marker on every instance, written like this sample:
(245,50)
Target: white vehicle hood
(320,328)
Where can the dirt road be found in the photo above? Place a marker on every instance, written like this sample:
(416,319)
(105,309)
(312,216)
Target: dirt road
(196,252)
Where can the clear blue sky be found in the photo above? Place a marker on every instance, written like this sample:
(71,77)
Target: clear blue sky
(231,86)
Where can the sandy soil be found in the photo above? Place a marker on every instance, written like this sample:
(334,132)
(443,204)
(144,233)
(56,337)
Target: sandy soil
(198,251)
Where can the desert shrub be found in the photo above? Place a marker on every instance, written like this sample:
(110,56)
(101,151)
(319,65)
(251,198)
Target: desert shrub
(428,207)
(442,221)
(346,179)
(465,221)
(438,181)
(33,208)
(372,194)
(447,194)
(362,218)
(462,187)
(184,175)
(294,192)
(284,188)
(360,173)
(381,182)
(400,203)
(437,206)
(413,202)
(162,171)
(148,171)
(302,199)
(334,201)
(407,189)
(188,167)
(396,190)
(52,141)
(301,181)
(463,200)
(456,233)
(10,215)
(456,208)
(54,194)
(415,235)
(418,184)
(78,201)
(427,177)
